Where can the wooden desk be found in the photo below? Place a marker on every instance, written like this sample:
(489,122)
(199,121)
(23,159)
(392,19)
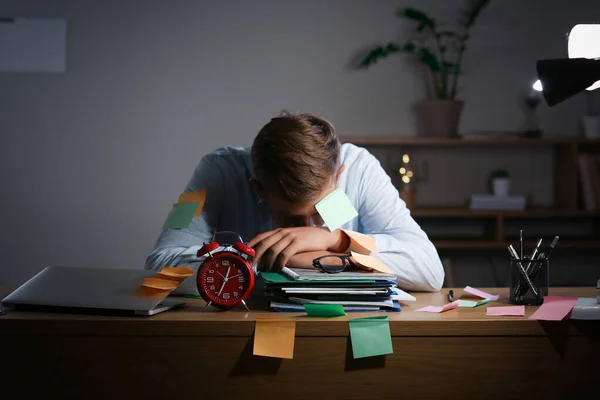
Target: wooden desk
(187,354)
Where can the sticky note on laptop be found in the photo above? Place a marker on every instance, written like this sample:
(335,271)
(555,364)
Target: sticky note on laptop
(181,215)
(336,209)
(370,336)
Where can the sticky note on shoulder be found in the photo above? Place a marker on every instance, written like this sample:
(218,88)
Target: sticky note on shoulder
(181,215)
(274,337)
(336,209)
(370,336)
(199,196)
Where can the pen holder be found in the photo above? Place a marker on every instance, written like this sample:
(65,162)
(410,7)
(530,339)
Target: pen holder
(529,281)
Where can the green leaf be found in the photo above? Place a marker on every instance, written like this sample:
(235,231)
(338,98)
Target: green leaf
(418,16)
(378,53)
(429,59)
(409,47)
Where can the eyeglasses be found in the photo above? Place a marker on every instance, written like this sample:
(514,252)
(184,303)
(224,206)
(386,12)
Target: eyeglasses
(333,264)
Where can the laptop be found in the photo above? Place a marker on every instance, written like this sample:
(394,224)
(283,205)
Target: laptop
(88,290)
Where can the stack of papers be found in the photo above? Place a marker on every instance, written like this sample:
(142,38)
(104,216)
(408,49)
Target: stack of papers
(355,291)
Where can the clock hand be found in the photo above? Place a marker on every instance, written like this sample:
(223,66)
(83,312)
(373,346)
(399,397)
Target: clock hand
(235,276)
(224,281)
(220,274)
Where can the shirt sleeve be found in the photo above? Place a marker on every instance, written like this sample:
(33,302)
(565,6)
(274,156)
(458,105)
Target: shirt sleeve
(402,245)
(175,246)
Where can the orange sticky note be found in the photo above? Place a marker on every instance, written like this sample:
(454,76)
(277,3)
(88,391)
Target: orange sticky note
(274,337)
(160,284)
(361,243)
(370,262)
(191,197)
(177,274)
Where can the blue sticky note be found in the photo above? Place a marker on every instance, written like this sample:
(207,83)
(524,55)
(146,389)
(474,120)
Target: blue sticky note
(336,209)
(181,215)
(370,336)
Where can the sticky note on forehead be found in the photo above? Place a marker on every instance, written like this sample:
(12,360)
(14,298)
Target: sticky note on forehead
(336,209)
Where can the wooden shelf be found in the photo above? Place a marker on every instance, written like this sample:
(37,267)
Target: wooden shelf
(390,141)
(473,244)
(459,212)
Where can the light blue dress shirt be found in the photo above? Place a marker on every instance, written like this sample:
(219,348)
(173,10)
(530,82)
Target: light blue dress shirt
(232,205)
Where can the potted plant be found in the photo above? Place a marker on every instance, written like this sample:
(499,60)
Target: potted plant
(439,49)
(500,182)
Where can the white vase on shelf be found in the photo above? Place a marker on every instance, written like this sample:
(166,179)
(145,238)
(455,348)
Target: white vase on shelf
(500,186)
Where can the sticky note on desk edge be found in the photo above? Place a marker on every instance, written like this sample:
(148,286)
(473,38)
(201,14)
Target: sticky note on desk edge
(336,209)
(554,308)
(361,243)
(274,337)
(370,262)
(199,196)
(181,215)
(324,310)
(370,336)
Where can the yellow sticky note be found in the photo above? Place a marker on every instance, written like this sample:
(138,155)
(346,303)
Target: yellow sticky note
(361,243)
(177,274)
(192,197)
(274,337)
(370,262)
(160,284)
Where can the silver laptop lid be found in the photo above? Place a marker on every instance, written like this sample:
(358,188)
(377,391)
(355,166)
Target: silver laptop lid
(82,287)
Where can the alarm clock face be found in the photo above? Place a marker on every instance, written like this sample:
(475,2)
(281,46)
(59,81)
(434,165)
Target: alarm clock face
(226,279)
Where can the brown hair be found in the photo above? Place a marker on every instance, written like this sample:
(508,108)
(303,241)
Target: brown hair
(296,156)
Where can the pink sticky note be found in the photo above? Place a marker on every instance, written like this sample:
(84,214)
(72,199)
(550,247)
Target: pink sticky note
(555,308)
(437,309)
(515,311)
(481,294)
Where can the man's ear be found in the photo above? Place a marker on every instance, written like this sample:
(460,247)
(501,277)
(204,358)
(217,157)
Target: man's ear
(259,188)
(340,173)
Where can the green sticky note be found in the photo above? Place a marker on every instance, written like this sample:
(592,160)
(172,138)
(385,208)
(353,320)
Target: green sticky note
(181,215)
(324,310)
(276,277)
(471,303)
(336,209)
(370,336)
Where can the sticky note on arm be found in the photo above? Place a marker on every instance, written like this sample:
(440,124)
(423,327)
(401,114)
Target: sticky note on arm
(361,243)
(181,215)
(336,209)
(199,196)
(370,262)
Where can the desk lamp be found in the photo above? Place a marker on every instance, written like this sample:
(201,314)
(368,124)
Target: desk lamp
(562,78)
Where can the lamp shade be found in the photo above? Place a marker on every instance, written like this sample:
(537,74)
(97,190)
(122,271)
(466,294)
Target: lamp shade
(584,42)
(563,78)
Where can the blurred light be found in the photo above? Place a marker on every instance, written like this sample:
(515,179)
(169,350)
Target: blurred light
(405,158)
(584,42)
(405,179)
(402,170)
(537,85)
(409,174)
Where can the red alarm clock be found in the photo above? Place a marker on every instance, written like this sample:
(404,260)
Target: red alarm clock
(225,277)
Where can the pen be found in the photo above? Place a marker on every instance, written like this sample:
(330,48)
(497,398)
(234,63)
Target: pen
(521,240)
(533,255)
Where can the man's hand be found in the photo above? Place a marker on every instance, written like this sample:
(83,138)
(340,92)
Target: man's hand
(275,248)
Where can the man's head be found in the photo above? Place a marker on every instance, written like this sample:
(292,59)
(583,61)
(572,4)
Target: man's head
(296,161)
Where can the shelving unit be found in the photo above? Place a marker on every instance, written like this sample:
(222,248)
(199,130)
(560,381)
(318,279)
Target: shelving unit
(566,207)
